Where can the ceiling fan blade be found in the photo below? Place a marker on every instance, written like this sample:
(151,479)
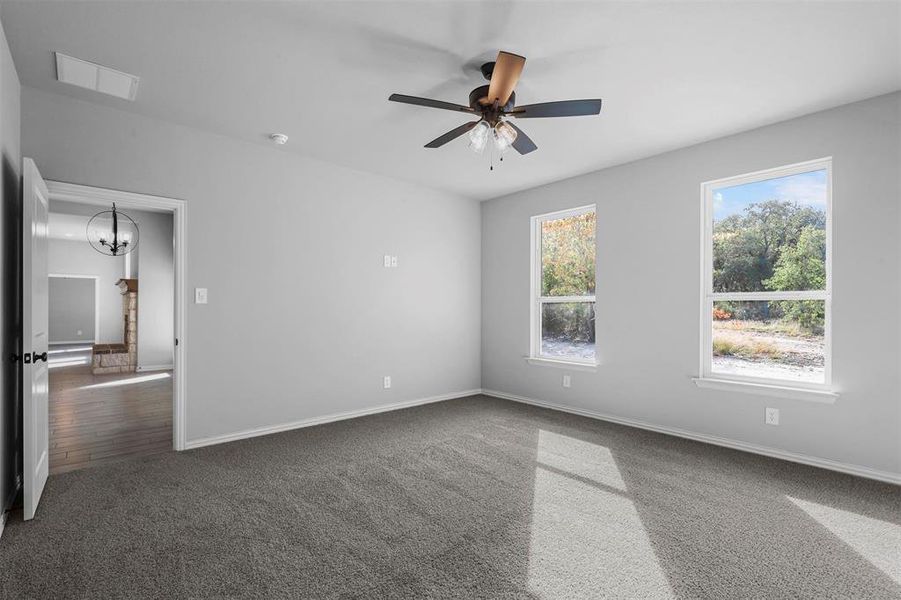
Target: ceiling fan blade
(523,143)
(415,100)
(564,108)
(450,135)
(504,77)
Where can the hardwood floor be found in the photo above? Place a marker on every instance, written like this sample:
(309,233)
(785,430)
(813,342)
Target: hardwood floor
(97,419)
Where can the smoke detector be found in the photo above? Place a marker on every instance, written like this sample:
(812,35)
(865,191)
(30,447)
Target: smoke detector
(279,138)
(98,78)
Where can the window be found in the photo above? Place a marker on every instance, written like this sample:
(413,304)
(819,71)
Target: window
(766,300)
(563,285)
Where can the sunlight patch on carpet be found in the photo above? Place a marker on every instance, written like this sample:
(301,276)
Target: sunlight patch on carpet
(587,540)
(877,541)
(583,459)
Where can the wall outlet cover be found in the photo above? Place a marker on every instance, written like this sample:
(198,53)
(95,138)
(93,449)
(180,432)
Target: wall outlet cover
(771,416)
(567,381)
(386,381)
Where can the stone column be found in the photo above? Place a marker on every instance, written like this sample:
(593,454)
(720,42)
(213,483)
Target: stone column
(129,288)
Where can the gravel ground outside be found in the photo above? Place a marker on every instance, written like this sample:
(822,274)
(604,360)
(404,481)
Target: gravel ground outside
(800,358)
(562,348)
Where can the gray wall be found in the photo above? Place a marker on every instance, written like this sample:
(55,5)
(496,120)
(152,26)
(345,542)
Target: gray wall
(649,256)
(10,172)
(72,309)
(67,257)
(154,266)
(302,320)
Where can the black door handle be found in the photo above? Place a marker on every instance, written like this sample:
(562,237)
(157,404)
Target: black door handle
(27,358)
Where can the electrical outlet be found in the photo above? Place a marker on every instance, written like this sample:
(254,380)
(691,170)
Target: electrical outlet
(393,262)
(771,416)
(386,381)
(200,295)
(387,261)
(566,381)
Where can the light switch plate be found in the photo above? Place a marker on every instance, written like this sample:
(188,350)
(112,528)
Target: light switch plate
(387,261)
(567,381)
(200,295)
(386,381)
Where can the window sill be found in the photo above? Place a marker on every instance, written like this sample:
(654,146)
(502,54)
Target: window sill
(562,364)
(763,389)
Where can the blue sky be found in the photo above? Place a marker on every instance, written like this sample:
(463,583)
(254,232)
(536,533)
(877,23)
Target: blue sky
(807,189)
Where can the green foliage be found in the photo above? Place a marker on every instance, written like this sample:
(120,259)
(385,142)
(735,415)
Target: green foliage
(802,267)
(568,256)
(568,269)
(746,247)
(772,246)
(572,321)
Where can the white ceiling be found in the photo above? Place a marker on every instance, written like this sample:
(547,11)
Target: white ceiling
(671,73)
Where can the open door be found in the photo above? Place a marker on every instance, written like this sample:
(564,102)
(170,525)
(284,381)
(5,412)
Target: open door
(35,388)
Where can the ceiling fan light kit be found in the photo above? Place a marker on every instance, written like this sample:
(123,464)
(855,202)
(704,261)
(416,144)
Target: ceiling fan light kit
(494,104)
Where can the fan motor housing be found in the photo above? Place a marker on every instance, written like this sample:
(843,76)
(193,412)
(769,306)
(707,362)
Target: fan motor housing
(477,95)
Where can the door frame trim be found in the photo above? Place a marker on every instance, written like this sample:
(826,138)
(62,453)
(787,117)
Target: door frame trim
(84,194)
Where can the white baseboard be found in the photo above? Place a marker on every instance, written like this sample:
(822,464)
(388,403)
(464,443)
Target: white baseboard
(141,369)
(804,459)
(249,433)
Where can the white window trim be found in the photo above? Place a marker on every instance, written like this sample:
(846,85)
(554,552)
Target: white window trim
(765,389)
(536,299)
(567,364)
(762,385)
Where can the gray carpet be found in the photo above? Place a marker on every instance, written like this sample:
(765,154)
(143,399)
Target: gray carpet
(471,498)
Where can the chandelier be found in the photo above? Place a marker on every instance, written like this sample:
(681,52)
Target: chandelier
(112,233)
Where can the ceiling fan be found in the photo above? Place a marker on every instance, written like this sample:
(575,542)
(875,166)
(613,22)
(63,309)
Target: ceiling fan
(495,103)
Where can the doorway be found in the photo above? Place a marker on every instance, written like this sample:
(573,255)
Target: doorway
(37,196)
(120,395)
(111,334)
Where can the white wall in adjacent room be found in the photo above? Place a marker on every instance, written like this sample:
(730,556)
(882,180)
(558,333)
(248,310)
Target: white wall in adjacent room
(67,257)
(648,289)
(303,320)
(153,262)
(73,310)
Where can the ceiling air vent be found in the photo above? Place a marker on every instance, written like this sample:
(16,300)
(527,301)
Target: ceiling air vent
(95,77)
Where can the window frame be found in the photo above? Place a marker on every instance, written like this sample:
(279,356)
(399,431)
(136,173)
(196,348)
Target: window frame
(537,301)
(708,296)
